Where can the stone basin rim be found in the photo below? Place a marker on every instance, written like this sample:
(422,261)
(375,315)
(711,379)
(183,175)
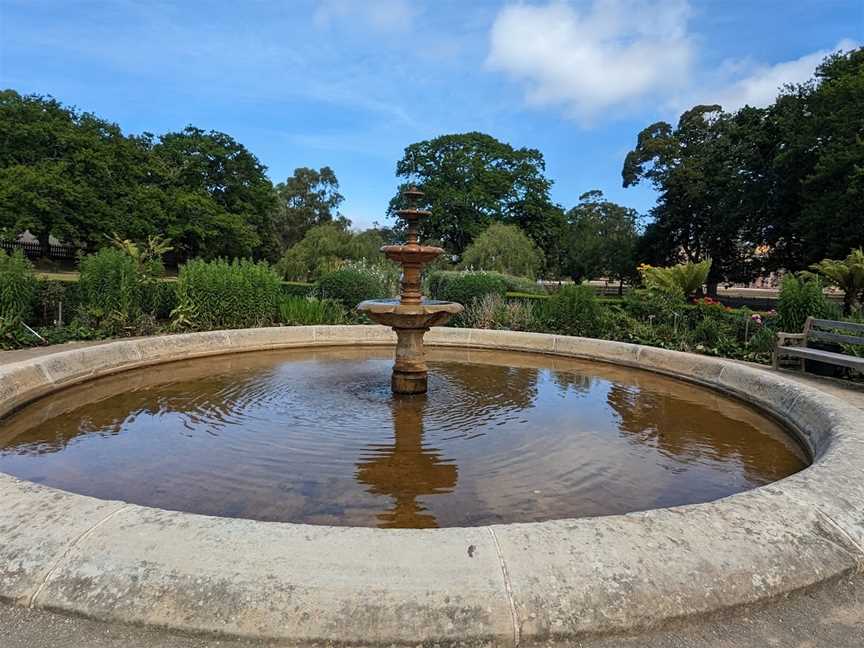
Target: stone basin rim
(511,584)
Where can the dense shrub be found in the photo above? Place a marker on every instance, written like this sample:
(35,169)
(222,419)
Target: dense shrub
(506,249)
(111,290)
(800,298)
(655,305)
(222,294)
(575,310)
(522,285)
(350,286)
(465,287)
(308,311)
(18,290)
(18,286)
(493,312)
(159,298)
(297,288)
(57,302)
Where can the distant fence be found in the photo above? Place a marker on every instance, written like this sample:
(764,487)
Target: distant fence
(34,250)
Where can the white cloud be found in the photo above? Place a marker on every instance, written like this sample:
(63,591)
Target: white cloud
(610,56)
(380,15)
(760,84)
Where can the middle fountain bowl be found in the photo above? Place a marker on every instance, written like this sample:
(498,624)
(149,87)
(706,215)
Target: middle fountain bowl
(410,315)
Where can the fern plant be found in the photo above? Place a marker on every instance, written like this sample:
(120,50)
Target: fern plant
(683,278)
(848,275)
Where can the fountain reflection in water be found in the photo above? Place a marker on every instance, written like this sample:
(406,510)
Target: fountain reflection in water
(406,470)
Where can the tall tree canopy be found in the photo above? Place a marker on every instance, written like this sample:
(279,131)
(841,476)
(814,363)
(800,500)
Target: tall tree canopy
(65,173)
(761,188)
(306,199)
(816,171)
(79,178)
(601,239)
(472,180)
(217,189)
(702,170)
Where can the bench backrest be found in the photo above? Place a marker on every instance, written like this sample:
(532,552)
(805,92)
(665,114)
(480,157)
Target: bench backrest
(826,331)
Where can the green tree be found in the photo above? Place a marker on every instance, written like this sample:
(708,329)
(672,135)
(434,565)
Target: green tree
(65,173)
(506,249)
(471,180)
(78,178)
(707,172)
(816,167)
(601,239)
(219,199)
(306,199)
(326,248)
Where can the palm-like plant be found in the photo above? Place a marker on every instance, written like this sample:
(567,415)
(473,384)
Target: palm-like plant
(848,275)
(683,278)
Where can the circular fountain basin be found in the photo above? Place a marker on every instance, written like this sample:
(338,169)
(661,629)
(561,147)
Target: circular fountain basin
(317,437)
(507,583)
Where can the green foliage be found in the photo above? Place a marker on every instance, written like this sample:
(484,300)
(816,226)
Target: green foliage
(306,199)
(848,275)
(471,180)
(680,279)
(350,286)
(326,248)
(761,187)
(523,285)
(17,286)
(224,294)
(159,298)
(309,311)
(465,287)
(601,239)
(493,312)
(147,255)
(658,305)
(79,178)
(505,249)
(111,290)
(802,297)
(297,289)
(575,310)
(18,291)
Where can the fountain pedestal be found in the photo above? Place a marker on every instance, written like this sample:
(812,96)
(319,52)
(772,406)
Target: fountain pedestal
(410,316)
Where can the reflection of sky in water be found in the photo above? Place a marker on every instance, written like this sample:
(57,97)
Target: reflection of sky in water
(316,436)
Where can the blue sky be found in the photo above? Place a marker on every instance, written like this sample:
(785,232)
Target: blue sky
(350,83)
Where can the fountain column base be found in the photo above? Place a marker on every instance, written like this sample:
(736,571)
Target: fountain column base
(410,323)
(410,370)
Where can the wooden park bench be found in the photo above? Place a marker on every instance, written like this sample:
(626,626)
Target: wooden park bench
(818,330)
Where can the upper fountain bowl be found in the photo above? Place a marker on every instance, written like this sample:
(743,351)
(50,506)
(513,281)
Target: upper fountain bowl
(411,253)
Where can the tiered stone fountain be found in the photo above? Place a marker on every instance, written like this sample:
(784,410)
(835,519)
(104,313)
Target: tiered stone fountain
(410,316)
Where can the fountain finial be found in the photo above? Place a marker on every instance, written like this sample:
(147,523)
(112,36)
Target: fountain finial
(410,316)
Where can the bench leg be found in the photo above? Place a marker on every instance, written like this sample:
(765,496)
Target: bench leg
(803,364)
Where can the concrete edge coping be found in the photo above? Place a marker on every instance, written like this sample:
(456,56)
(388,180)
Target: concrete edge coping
(502,584)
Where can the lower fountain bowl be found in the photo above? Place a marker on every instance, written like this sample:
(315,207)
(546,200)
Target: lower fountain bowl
(392,313)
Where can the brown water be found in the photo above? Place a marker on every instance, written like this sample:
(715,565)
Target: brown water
(317,437)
